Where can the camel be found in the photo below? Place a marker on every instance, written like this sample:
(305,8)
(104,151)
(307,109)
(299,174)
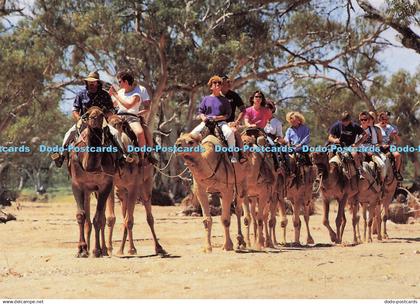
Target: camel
(261,180)
(369,197)
(338,182)
(132,181)
(299,192)
(91,172)
(213,172)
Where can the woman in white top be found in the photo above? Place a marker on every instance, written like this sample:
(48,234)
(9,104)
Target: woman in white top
(129,99)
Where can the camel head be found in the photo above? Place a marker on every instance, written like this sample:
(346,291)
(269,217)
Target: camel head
(95,118)
(320,159)
(188,140)
(116,122)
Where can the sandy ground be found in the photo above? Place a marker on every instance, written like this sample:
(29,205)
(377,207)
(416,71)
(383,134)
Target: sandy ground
(37,260)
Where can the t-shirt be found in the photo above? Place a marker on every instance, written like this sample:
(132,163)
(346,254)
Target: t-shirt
(85,100)
(259,117)
(274,127)
(372,138)
(387,131)
(135,109)
(235,102)
(347,135)
(299,135)
(214,106)
(144,95)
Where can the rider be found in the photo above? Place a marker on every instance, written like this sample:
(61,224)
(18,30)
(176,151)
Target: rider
(298,134)
(235,102)
(344,133)
(216,107)
(92,95)
(274,131)
(390,136)
(129,100)
(257,115)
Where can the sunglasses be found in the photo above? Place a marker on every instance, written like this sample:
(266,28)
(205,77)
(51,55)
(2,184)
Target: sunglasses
(364,119)
(216,82)
(257,96)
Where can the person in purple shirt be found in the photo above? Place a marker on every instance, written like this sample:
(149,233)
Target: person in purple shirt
(216,107)
(298,134)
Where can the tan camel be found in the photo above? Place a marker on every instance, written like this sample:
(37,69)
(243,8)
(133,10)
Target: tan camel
(213,172)
(338,182)
(261,181)
(132,182)
(91,172)
(299,192)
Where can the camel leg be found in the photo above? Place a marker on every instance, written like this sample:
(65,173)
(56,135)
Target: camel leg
(306,216)
(238,212)
(247,218)
(271,236)
(204,202)
(88,223)
(123,195)
(151,221)
(110,221)
(129,222)
(81,218)
(339,219)
(226,201)
(262,202)
(254,217)
(296,220)
(370,221)
(354,222)
(378,221)
(98,220)
(283,223)
(364,214)
(385,215)
(325,220)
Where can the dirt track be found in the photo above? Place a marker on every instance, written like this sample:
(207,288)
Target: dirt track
(37,260)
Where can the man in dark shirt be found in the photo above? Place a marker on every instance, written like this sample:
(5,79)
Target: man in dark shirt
(92,95)
(234,99)
(344,131)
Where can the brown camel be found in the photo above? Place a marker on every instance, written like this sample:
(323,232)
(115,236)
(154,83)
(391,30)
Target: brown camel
(261,180)
(91,172)
(133,181)
(338,182)
(299,192)
(213,172)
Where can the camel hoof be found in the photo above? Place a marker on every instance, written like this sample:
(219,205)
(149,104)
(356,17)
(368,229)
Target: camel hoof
(370,240)
(310,241)
(132,251)
(97,253)
(386,236)
(333,237)
(120,252)
(108,252)
(379,237)
(228,246)
(160,251)
(269,244)
(296,244)
(83,254)
(208,249)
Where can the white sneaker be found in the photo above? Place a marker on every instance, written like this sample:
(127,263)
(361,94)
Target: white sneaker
(233,160)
